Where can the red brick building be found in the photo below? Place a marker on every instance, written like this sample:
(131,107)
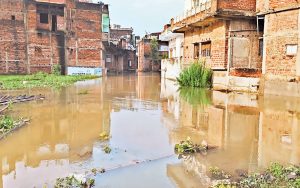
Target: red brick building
(121,50)
(279,20)
(37,35)
(223,34)
(145,62)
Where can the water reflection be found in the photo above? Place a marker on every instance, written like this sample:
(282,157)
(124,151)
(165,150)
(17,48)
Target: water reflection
(250,132)
(146,117)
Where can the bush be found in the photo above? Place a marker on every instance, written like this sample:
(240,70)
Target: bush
(196,75)
(56,69)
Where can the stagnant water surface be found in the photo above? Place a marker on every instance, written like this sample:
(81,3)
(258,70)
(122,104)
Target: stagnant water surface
(146,117)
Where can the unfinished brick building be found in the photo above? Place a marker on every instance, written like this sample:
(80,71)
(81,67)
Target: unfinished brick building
(279,20)
(223,33)
(121,50)
(145,62)
(37,35)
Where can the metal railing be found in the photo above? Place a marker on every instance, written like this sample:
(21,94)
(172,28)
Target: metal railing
(201,8)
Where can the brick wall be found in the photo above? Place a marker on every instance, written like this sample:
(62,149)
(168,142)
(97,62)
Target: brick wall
(281,29)
(29,46)
(216,33)
(247,5)
(12,38)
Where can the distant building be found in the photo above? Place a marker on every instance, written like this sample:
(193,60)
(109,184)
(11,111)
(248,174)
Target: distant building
(145,61)
(37,35)
(121,50)
(172,66)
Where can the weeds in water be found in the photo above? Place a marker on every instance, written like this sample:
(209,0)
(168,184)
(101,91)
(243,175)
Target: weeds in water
(40,80)
(6,124)
(107,149)
(188,147)
(197,75)
(216,173)
(104,136)
(275,176)
(74,181)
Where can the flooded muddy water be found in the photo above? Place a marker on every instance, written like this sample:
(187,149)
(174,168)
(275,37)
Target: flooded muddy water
(146,117)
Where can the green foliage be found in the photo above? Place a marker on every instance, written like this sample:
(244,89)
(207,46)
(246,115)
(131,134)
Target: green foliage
(6,124)
(40,80)
(195,96)
(197,75)
(56,69)
(188,147)
(74,181)
(154,50)
(275,176)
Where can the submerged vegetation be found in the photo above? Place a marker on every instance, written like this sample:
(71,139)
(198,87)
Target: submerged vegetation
(275,176)
(74,181)
(197,75)
(39,80)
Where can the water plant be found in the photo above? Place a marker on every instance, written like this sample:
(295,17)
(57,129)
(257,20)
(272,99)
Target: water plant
(275,176)
(74,181)
(9,82)
(197,75)
(104,136)
(188,147)
(107,149)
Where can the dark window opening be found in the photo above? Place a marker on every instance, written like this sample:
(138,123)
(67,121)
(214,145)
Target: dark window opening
(196,50)
(54,23)
(261,47)
(206,49)
(261,24)
(44,18)
(13,17)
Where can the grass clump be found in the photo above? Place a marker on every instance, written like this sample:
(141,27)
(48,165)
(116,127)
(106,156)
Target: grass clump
(107,149)
(104,136)
(74,181)
(197,75)
(7,123)
(275,176)
(188,147)
(8,82)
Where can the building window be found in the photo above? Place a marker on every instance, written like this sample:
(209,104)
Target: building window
(291,49)
(261,24)
(13,17)
(44,18)
(196,50)
(206,49)
(54,23)
(261,47)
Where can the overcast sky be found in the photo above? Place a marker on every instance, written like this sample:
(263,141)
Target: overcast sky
(144,15)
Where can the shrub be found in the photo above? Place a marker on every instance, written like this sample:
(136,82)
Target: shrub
(56,69)
(196,75)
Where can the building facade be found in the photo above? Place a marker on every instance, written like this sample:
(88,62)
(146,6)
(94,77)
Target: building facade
(223,35)
(39,35)
(145,59)
(172,66)
(279,20)
(121,50)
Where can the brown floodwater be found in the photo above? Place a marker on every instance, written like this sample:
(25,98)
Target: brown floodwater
(146,117)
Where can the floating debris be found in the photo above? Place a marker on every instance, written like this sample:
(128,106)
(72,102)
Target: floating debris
(107,149)
(188,147)
(104,136)
(75,181)
(7,99)
(83,92)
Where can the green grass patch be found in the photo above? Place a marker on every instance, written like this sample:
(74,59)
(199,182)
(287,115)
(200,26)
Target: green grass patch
(39,80)
(197,75)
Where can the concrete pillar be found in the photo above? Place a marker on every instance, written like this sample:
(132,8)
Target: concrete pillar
(298,54)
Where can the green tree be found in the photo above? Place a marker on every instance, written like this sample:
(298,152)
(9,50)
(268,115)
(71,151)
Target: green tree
(154,50)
